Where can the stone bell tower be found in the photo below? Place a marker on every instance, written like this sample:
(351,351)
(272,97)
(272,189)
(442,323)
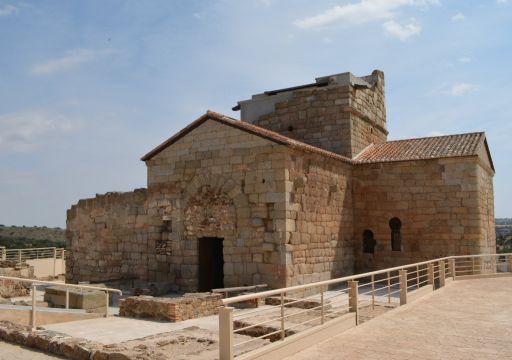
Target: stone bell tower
(341,113)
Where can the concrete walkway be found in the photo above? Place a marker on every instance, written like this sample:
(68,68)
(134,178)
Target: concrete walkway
(115,329)
(468,319)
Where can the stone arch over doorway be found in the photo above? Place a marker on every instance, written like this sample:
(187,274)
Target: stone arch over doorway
(214,210)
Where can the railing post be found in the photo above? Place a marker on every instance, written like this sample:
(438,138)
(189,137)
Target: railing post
(19,256)
(63,270)
(442,273)
(54,261)
(67,298)
(226,341)
(34,306)
(510,263)
(283,333)
(451,264)
(403,286)
(493,264)
(417,276)
(352,298)
(106,303)
(389,287)
(373,292)
(430,273)
(3,253)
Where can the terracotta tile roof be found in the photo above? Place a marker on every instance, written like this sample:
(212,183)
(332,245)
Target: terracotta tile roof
(247,127)
(399,150)
(423,148)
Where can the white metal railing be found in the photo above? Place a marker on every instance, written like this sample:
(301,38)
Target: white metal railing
(33,255)
(22,255)
(330,299)
(34,283)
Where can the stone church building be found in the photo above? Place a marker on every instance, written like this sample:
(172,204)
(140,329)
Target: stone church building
(304,188)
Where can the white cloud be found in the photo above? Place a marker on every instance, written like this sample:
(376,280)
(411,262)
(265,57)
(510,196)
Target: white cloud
(361,12)
(454,89)
(70,60)
(435,133)
(7,10)
(465,59)
(502,1)
(459,89)
(402,32)
(25,131)
(458,17)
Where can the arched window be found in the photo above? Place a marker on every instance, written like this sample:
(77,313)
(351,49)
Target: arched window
(368,242)
(396,238)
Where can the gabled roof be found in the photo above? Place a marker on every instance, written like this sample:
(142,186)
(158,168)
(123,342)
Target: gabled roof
(400,150)
(426,148)
(246,127)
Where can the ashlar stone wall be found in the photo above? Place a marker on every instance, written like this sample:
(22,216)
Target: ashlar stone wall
(189,306)
(219,181)
(486,206)
(107,238)
(320,219)
(442,205)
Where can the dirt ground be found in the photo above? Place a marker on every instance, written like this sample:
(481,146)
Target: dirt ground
(190,343)
(10,351)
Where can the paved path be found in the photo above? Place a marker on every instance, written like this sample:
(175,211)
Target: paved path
(115,329)
(10,351)
(465,320)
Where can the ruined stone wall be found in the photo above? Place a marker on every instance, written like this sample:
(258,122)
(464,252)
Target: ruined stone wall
(9,288)
(107,238)
(221,182)
(437,201)
(320,219)
(341,119)
(188,306)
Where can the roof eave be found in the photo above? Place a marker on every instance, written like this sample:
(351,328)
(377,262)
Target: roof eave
(249,128)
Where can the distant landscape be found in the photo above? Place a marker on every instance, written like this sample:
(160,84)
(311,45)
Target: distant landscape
(21,237)
(504,235)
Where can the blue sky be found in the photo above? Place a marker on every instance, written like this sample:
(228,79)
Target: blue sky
(88,87)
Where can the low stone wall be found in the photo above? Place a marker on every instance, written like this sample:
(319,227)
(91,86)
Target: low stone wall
(163,346)
(189,306)
(50,342)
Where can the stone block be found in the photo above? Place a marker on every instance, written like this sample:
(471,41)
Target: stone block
(89,300)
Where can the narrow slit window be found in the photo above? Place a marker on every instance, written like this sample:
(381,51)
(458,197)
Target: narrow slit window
(396,237)
(368,242)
